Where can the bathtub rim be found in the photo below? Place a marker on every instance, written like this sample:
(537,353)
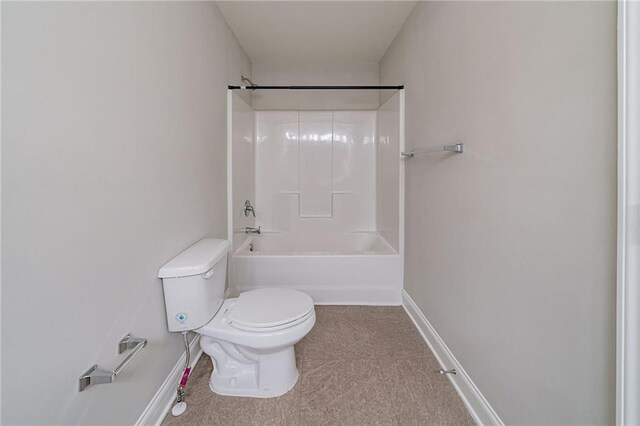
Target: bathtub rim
(242,251)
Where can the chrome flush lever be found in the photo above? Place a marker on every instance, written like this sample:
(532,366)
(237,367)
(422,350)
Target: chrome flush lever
(248,209)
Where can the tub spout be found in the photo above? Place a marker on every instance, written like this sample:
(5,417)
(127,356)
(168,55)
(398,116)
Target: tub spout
(252,230)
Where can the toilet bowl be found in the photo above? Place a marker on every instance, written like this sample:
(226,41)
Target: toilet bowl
(249,338)
(250,342)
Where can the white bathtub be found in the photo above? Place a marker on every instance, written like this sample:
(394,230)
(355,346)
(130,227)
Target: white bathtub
(358,268)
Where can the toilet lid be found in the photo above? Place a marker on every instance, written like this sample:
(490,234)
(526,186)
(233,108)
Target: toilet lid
(269,308)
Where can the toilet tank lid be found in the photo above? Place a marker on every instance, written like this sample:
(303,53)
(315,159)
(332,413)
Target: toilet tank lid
(195,260)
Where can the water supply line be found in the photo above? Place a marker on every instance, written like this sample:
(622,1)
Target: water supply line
(181,405)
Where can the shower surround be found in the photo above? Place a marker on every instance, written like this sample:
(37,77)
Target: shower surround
(322,183)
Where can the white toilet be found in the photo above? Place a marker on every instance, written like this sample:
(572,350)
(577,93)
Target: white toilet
(249,338)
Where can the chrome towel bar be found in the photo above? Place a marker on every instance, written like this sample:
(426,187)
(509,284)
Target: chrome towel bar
(95,375)
(458,148)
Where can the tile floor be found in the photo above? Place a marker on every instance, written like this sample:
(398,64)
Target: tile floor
(359,365)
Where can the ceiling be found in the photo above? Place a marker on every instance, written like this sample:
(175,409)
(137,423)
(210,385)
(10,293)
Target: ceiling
(316,31)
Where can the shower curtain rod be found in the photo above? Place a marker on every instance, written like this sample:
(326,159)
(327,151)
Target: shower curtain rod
(316,87)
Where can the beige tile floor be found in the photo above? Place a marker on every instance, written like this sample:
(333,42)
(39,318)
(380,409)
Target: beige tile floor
(359,365)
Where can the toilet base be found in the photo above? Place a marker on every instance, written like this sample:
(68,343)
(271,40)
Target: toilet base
(247,372)
(219,385)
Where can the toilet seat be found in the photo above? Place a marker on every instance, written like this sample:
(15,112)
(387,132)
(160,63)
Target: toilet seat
(269,309)
(264,338)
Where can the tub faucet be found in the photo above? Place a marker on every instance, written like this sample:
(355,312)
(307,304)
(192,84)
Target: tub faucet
(252,230)
(248,209)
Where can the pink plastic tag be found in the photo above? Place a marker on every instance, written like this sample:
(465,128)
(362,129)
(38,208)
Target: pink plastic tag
(185,377)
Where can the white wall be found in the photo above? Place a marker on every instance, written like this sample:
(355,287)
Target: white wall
(388,171)
(113,136)
(510,247)
(315,172)
(268,73)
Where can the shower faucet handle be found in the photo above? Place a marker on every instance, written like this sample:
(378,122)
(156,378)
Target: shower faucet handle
(248,209)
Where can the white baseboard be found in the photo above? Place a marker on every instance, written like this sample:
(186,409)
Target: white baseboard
(476,404)
(163,400)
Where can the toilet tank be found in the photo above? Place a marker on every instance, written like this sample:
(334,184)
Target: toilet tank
(194,284)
